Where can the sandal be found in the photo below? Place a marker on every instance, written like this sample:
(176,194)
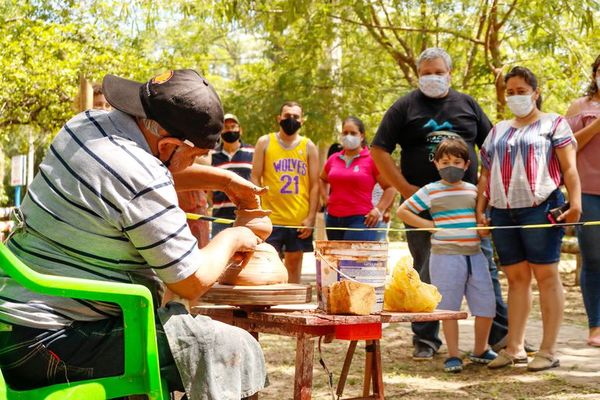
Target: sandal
(505,359)
(543,361)
(484,358)
(453,364)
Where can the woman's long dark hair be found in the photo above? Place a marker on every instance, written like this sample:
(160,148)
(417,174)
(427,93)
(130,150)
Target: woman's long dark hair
(528,77)
(593,88)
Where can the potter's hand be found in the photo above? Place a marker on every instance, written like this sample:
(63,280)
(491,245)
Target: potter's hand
(245,243)
(243,193)
(241,258)
(308,223)
(245,239)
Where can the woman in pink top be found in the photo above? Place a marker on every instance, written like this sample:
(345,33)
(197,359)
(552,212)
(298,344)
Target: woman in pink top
(346,186)
(583,116)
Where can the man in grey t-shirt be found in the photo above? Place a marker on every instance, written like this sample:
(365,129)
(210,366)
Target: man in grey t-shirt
(103,206)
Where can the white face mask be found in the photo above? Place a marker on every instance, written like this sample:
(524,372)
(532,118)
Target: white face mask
(350,142)
(520,105)
(435,86)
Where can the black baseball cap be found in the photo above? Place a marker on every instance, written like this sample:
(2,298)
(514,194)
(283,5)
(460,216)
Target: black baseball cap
(181,101)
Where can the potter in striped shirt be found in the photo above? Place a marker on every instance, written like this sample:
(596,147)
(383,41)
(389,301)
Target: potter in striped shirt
(103,207)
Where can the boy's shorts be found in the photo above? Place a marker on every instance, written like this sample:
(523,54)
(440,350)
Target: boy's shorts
(457,275)
(287,240)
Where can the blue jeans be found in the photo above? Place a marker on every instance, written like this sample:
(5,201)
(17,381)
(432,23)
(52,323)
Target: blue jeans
(589,237)
(427,333)
(381,235)
(537,246)
(353,221)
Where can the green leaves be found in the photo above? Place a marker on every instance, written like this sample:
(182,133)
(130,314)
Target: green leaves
(336,57)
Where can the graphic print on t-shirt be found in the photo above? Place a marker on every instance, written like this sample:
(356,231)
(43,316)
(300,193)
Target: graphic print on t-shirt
(439,133)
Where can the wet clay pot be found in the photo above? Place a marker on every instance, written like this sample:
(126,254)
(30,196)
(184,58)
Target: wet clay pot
(264,268)
(256,220)
(249,203)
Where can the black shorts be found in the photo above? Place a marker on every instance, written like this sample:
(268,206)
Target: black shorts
(32,358)
(287,240)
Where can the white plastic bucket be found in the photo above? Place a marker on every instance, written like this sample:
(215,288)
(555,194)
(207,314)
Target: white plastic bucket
(364,262)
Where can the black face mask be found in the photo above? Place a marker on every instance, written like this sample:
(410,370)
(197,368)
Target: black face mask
(231,136)
(290,125)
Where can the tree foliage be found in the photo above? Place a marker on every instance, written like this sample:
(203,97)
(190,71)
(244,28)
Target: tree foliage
(336,57)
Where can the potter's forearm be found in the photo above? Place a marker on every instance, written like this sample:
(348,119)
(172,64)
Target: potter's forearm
(202,177)
(215,257)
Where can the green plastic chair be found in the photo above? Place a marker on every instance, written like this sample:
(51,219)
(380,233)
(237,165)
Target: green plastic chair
(141,375)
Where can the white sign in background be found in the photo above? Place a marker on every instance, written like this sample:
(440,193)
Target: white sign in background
(18,172)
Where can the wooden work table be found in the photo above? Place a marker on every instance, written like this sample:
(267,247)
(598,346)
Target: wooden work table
(305,323)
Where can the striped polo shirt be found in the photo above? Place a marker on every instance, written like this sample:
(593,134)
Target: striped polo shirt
(450,206)
(101,207)
(239,162)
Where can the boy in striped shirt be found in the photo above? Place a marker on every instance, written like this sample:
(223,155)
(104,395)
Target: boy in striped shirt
(457,266)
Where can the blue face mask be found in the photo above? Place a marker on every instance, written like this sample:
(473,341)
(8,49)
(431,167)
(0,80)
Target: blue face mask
(451,174)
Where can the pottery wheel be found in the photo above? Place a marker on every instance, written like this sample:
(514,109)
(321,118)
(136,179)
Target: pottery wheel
(264,295)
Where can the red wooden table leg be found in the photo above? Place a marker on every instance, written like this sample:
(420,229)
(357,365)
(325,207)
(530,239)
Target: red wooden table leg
(368,367)
(305,348)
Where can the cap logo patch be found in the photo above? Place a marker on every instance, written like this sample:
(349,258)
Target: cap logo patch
(162,78)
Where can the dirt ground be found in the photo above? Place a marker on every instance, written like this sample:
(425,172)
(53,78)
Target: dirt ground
(578,378)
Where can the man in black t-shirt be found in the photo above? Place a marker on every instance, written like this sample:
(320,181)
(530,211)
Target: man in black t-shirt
(417,122)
